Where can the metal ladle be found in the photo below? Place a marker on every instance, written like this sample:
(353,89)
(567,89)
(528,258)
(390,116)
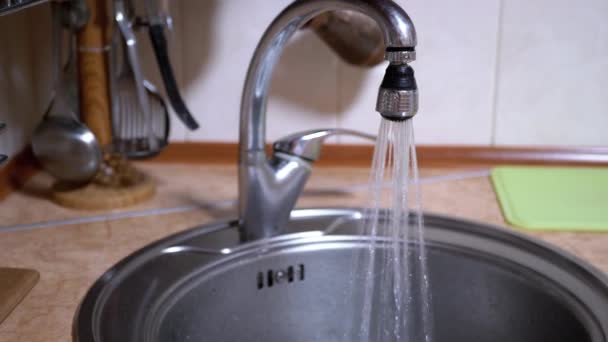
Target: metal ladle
(65,147)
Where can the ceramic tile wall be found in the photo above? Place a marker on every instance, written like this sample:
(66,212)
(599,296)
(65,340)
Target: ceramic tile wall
(553,73)
(504,72)
(490,72)
(221,36)
(454,68)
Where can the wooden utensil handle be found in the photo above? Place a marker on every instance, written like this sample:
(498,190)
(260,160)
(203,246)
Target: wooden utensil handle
(93,74)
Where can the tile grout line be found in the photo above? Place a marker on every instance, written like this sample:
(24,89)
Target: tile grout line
(497,63)
(214,205)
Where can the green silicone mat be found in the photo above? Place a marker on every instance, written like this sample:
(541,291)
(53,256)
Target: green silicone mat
(553,198)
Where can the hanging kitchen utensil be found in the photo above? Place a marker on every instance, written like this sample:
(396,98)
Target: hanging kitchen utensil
(64,146)
(12,6)
(157,19)
(130,125)
(117,183)
(138,132)
(124,21)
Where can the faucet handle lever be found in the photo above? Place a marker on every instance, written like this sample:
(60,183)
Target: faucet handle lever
(307,144)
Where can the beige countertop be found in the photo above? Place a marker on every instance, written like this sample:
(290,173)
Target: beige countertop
(71,253)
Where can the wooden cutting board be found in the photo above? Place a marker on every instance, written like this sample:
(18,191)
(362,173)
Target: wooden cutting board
(15,284)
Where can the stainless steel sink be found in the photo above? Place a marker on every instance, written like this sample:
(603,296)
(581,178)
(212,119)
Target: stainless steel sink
(487,284)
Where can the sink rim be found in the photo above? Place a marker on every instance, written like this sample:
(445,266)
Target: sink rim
(85,317)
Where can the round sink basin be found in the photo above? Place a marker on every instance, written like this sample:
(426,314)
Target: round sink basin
(488,284)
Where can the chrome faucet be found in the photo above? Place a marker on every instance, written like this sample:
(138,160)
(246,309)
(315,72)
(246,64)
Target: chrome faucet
(270,187)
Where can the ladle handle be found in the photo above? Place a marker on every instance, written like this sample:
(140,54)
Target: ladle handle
(56,45)
(159,43)
(307,144)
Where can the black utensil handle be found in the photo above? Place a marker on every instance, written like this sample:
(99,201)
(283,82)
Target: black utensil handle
(159,43)
(167,131)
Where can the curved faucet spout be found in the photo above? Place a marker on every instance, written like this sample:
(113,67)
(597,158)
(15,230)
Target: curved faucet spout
(399,37)
(260,191)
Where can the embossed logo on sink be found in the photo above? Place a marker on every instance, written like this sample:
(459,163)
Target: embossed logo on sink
(274,277)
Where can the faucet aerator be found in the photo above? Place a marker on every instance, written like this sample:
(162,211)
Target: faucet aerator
(398,93)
